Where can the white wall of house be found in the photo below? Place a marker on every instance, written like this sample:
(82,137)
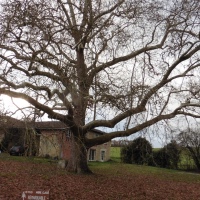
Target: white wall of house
(99,152)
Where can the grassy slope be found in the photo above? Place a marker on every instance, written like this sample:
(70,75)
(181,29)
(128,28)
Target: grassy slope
(160,172)
(116,168)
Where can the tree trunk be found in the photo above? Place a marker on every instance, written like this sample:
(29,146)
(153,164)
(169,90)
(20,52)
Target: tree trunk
(77,162)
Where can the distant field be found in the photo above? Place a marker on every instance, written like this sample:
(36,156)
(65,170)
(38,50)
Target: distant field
(115,154)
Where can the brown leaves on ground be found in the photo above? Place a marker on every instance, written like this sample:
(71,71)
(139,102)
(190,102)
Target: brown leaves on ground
(16,177)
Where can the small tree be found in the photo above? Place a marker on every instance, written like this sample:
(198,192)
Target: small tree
(173,152)
(168,156)
(138,152)
(190,139)
(159,158)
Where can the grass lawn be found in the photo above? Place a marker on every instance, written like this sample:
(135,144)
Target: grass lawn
(161,172)
(111,180)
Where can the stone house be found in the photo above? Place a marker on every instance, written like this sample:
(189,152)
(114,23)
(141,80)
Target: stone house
(49,138)
(55,142)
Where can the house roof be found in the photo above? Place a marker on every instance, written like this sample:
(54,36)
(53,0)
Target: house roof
(46,125)
(10,122)
(50,125)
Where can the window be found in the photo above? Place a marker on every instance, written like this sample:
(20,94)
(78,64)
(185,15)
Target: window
(68,134)
(103,154)
(92,154)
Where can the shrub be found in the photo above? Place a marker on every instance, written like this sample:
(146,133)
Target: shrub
(160,158)
(168,156)
(138,152)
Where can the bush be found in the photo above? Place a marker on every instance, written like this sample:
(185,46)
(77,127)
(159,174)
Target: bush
(160,158)
(167,157)
(12,137)
(137,152)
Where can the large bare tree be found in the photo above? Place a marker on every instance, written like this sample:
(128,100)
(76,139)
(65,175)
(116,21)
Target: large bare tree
(108,63)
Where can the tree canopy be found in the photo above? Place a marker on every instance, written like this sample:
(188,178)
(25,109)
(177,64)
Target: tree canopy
(93,64)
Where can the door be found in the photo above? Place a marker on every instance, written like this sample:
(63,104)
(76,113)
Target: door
(92,154)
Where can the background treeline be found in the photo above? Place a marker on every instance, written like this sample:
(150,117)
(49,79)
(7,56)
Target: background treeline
(173,155)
